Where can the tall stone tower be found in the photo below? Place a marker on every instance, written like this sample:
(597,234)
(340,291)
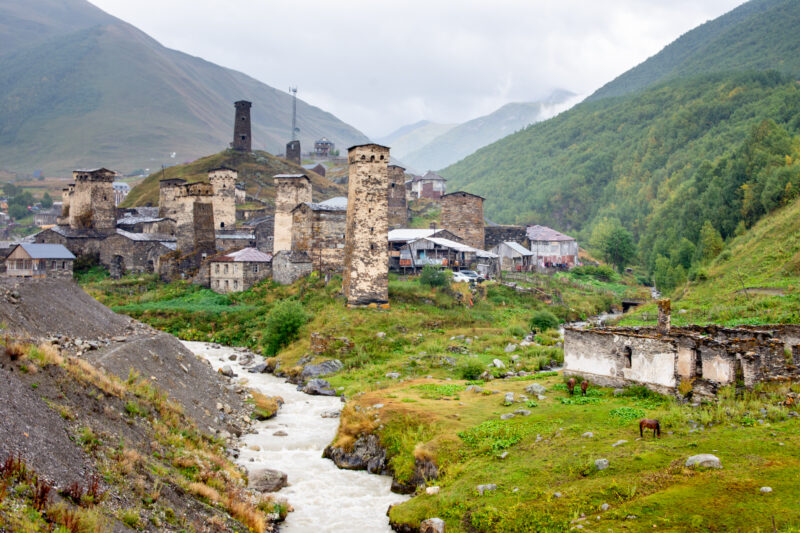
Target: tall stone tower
(366,251)
(396,195)
(462,214)
(91,203)
(242,140)
(223,181)
(293,152)
(66,198)
(194,225)
(290,190)
(168,192)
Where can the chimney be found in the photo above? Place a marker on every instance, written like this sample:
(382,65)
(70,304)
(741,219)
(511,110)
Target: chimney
(664,316)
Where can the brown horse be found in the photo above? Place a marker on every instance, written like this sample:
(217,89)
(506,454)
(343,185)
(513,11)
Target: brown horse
(650,423)
(571,386)
(584,387)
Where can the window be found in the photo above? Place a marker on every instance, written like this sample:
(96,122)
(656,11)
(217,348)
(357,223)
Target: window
(628,353)
(217,268)
(235,284)
(698,364)
(255,269)
(64,265)
(226,269)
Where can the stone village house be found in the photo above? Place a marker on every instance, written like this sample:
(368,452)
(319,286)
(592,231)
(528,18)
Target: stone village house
(513,256)
(39,261)
(238,271)
(551,248)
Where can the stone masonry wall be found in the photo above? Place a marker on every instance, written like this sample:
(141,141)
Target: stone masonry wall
(288,267)
(223,181)
(291,190)
(462,214)
(366,256)
(396,194)
(91,205)
(320,234)
(194,221)
(494,235)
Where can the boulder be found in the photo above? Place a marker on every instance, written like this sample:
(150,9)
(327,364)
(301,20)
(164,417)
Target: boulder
(588,435)
(703,460)
(486,488)
(510,348)
(618,443)
(330,413)
(260,368)
(432,525)
(381,334)
(432,490)
(605,507)
(535,389)
(509,398)
(522,412)
(318,387)
(506,416)
(366,454)
(324,368)
(227,371)
(393,375)
(474,388)
(601,464)
(498,363)
(765,490)
(268,480)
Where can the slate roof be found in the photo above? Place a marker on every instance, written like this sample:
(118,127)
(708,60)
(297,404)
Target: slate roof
(543,233)
(517,247)
(138,219)
(47,251)
(146,237)
(429,175)
(291,176)
(245,255)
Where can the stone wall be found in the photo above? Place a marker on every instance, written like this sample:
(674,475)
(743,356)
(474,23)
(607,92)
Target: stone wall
(321,234)
(223,182)
(462,214)
(236,276)
(290,191)
(396,197)
(194,220)
(91,204)
(494,235)
(288,266)
(168,192)
(366,256)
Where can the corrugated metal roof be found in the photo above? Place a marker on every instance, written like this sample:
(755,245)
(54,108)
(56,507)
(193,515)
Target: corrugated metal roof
(338,203)
(543,233)
(292,176)
(411,234)
(47,251)
(246,236)
(457,246)
(517,247)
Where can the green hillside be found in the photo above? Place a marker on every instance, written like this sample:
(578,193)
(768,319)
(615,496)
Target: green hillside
(755,280)
(758,35)
(255,169)
(109,95)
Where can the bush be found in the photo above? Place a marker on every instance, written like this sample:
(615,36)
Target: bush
(433,277)
(471,370)
(283,323)
(543,320)
(600,272)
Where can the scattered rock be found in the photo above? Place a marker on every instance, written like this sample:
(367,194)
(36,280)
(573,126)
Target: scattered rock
(381,334)
(232,357)
(509,398)
(227,371)
(432,490)
(535,388)
(486,488)
(280,433)
(318,387)
(619,392)
(605,507)
(474,388)
(704,460)
(510,348)
(588,435)
(378,406)
(393,375)
(432,525)
(366,454)
(503,455)
(522,412)
(541,397)
(324,368)
(498,363)
(515,358)
(506,416)
(556,495)
(330,413)
(260,368)
(268,480)
(765,490)
(601,464)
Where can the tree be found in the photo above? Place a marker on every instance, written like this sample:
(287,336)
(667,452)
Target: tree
(433,277)
(47,201)
(711,242)
(17,211)
(543,320)
(685,253)
(614,242)
(283,323)
(9,189)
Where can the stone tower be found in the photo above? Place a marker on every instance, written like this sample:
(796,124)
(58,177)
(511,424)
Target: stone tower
(366,252)
(66,198)
(242,138)
(396,195)
(462,214)
(223,181)
(290,190)
(293,152)
(91,204)
(194,220)
(168,192)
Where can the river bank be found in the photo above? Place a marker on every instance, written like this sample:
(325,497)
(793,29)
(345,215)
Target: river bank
(325,498)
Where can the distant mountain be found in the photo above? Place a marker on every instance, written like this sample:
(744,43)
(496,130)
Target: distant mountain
(98,92)
(460,141)
(754,36)
(413,136)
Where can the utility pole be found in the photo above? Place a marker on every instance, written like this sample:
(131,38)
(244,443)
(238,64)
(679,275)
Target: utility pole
(295,129)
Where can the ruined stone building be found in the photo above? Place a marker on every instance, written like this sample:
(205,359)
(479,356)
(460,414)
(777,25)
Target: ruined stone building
(240,194)
(242,137)
(290,190)
(261,228)
(89,202)
(551,248)
(319,231)
(462,214)
(366,256)
(705,357)
(396,197)
(239,270)
(229,239)
(48,217)
(223,182)
(293,152)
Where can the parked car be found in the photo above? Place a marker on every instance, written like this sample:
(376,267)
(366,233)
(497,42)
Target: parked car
(473,276)
(460,277)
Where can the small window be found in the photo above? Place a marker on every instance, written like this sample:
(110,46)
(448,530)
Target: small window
(221,224)
(371,246)
(64,265)
(255,269)
(235,284)
(217,269)
(628,353)
(698,364)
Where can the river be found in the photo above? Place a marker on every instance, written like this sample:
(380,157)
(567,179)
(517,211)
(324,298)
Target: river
(325,498)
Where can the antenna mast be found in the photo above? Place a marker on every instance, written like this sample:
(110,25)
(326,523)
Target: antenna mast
(295,129)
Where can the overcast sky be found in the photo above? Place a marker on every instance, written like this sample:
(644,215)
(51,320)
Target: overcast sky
(379,65)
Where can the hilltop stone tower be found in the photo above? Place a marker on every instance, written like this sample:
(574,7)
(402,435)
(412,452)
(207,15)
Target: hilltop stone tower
(194,220)
(396,196)
(290,190)
(293,152)
(168,192)
(242,138)
(462,214)
(366,252)
(91,201)
(223,182)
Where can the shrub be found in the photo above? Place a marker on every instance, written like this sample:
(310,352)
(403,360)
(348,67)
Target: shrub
(283,323)
(471,370)
(543,320)
(433,277)
(600,272)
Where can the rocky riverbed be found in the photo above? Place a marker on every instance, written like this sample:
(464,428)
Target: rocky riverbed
(325,498)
